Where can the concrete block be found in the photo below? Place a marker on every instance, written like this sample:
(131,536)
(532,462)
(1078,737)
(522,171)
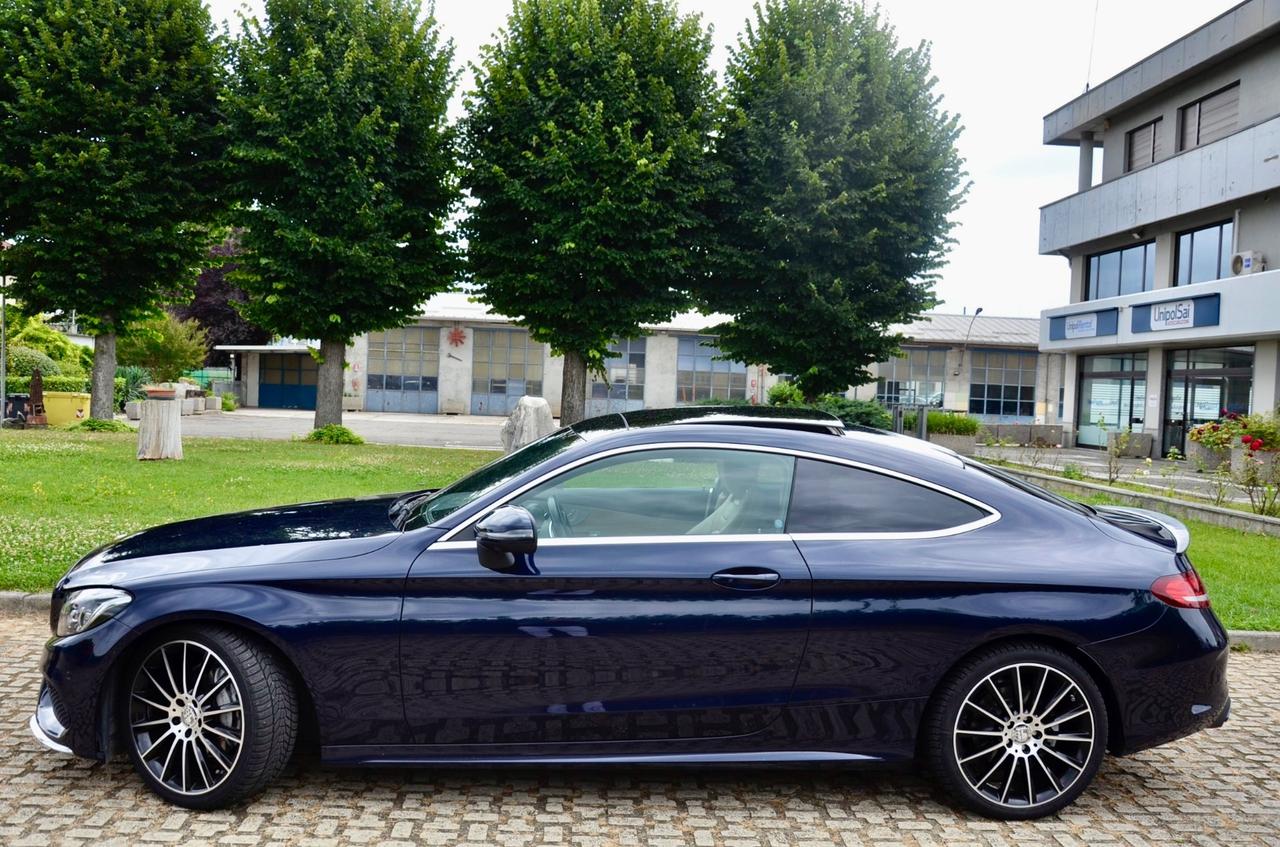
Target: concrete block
(530,421)
(133,410)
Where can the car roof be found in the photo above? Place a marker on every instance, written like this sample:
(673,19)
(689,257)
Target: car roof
(777,417)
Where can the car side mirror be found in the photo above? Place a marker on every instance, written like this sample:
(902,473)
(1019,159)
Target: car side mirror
(504,537)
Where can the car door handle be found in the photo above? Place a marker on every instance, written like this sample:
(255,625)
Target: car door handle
(747,579)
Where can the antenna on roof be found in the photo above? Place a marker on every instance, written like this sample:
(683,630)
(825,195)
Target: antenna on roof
(1093,39)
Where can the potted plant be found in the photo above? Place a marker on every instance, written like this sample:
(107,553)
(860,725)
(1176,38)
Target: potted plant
(160,392)
(1209,444)
(953,430)
(1257,444)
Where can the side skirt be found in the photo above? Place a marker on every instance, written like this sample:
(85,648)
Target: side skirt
(380,755)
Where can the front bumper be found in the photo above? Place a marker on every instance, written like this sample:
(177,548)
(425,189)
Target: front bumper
(72,713)
(46,726)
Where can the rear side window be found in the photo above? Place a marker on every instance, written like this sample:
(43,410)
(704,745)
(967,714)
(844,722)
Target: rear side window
(837,498)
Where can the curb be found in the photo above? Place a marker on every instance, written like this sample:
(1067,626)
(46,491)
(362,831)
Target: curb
(1252,640)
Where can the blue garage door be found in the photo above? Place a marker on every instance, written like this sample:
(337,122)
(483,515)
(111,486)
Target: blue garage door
(287,381)
(404,370)
(506,365)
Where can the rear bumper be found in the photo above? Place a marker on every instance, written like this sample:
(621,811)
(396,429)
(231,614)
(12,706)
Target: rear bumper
(1168,681)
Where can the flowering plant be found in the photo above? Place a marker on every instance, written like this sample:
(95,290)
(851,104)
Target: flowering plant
(1215,435)
(1259,432)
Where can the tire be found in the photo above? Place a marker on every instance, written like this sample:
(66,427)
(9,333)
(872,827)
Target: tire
(209,716)
(1023,760)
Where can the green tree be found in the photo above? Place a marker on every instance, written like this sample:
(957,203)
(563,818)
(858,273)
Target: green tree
(346,172)
(587,140)
(840,176)
(109,158)
(164,345)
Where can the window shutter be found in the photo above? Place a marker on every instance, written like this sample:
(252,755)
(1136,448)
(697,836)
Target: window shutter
(1144,146)
(1218,114)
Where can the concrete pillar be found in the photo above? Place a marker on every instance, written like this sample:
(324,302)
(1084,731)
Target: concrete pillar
(1070,383)
(457,354)
(660,371)
(1085,180)
(353,377)
(252,364)
(1154,413)
(1266,376)
(553,379)
(955,388)
(1164,260)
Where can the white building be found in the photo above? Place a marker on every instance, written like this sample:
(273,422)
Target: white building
(1172,317)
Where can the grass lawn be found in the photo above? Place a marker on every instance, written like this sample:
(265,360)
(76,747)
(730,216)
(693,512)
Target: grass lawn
(63,493)
(1239,568)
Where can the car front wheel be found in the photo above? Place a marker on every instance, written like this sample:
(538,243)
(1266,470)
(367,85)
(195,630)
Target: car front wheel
(211,717)
(1017,732)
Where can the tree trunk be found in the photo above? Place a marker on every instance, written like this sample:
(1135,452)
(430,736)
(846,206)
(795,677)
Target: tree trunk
(329,382)
(573,392)
(102,383)
(160,429)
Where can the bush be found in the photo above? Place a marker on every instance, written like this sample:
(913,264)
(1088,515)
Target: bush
(96,425)
(23,361)
(855,412)
(944,423)
(785,394)
(38,335)
(165,345)
(228,403)
(334,434)
(131,381)
(724,401)
(1259,431)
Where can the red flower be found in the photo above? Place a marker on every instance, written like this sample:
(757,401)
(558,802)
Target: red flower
(1256,444)
(1246,438)
(1215,427)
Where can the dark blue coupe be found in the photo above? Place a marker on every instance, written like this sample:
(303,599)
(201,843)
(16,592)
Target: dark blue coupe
(708,585)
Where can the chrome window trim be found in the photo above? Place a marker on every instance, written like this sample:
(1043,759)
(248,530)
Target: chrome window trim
(992,516)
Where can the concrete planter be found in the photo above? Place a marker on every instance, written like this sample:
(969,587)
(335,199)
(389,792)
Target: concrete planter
(1046,435)
(133,410)
(188,406)
(1137,447)
(213,404)
(1016,433)
(962,444)
(1208,459)
(1268,463)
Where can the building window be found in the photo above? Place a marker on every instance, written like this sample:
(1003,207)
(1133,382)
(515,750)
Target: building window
(403,359)
(1204,254)
(1125,271)
(1002,384)
(623,388)
(506,365)
(1112,396)
(1203,384)
(1209,118)
(1143,146)
(700,375)
(917,378)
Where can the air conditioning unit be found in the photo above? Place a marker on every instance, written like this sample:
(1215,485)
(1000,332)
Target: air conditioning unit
(1247,262)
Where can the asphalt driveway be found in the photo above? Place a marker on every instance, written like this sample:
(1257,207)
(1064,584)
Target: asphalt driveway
(1220,787)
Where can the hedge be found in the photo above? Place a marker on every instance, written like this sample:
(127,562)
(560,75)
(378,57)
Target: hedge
(79,384)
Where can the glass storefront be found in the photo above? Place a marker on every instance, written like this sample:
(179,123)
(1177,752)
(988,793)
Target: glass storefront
(1201,385)
(1112,396)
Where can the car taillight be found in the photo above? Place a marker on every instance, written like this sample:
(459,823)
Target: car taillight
(1184,590)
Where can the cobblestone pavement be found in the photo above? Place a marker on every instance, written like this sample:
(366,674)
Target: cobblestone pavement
(1221,787)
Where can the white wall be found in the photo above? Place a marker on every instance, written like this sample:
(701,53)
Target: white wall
(354,376)
(455,370)
(660,370)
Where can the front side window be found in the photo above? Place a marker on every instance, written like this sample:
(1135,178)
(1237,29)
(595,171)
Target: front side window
(836,498)
(685,491)
(1204,254)
(1125,271)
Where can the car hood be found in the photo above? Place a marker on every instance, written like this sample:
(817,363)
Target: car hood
(332,529)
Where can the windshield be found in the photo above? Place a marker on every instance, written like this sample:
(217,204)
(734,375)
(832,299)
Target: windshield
(1031,488)
(429,508)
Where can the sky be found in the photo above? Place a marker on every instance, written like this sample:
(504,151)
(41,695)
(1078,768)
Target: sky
(1001,65)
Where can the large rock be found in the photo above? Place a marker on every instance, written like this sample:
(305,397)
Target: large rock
(530,421)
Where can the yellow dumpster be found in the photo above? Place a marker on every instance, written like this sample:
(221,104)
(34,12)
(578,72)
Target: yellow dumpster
(65,407)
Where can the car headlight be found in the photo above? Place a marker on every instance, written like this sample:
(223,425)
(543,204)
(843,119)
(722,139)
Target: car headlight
(89,607)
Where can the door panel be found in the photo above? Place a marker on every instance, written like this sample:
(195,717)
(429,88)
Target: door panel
(601,641)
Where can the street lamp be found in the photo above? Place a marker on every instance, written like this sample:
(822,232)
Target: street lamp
(965,345)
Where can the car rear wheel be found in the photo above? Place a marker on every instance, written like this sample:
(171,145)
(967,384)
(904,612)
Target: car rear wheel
(1017,732)
(211,717)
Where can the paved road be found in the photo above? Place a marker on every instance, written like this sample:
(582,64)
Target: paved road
(382,428)
(1217,788)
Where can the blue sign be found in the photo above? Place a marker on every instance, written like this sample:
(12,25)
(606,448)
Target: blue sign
(1084,325)
(1183,313)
